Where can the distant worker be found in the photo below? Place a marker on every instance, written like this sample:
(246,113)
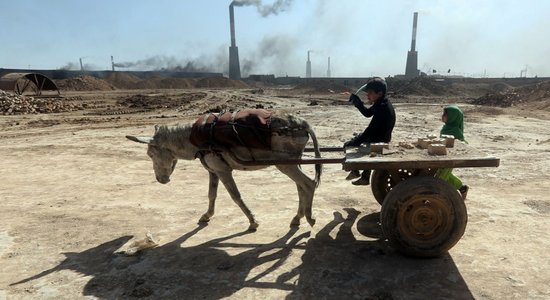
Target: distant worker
(453,118)
(381,125)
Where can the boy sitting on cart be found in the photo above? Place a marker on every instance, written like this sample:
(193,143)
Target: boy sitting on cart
(381,125)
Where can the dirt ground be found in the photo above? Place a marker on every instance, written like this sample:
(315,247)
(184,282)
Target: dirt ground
(75,194)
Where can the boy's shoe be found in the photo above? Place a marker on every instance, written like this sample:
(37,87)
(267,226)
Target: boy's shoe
(361,181)
(353,174)
(464,191)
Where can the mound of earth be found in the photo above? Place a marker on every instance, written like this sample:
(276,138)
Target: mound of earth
(124,81)
(422,86)
(84,83)
(158,101)
(220,82)
(321,87)
(171,83)
(538,93)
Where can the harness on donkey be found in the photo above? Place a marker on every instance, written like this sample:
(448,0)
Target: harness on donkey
(248,128)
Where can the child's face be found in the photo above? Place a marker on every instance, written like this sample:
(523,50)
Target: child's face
(444,117)
(373,96)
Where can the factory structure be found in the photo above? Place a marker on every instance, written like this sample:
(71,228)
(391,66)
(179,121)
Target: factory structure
(411,68)
(11,78)
(234,71)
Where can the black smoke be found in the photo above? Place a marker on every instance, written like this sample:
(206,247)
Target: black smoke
(206,63)
(265,10)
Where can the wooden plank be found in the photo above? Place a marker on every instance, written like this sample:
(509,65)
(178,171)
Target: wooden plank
(460,156)
(326,149)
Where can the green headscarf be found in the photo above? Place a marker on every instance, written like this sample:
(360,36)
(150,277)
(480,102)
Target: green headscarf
(455,122)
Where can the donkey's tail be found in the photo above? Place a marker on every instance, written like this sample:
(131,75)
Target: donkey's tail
(318,167)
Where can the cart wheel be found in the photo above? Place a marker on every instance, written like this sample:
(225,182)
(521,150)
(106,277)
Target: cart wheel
(382,181)
(423,216)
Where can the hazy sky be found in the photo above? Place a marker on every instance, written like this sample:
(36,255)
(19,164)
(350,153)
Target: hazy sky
(362,37)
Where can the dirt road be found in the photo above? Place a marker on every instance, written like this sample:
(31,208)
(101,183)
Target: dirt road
(75,193)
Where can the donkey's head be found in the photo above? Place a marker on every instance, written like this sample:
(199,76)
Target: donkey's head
(164,161)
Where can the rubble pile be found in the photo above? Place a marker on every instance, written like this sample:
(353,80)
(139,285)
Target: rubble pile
(529,93)
(500,99)
(19,105)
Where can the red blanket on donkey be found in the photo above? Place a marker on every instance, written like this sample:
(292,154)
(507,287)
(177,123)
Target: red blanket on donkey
(247,128)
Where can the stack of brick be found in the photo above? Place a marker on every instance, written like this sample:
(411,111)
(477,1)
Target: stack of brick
(20,105)
(436,146)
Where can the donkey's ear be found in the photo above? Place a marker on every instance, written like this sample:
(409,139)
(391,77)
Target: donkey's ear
(140,139)
(157,128)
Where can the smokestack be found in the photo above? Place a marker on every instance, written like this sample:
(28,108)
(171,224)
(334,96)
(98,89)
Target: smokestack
(308,66)
(413,41)
(81,66)
(112,63)
(232,24)
(328,69)
(234,66)
(411,69)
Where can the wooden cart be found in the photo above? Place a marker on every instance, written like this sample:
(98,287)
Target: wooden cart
(421,214)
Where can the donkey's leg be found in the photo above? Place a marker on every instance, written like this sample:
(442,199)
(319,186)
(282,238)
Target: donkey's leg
(231,187)
(212,194)
(306,189)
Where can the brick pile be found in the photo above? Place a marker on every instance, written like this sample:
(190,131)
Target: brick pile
(20,105)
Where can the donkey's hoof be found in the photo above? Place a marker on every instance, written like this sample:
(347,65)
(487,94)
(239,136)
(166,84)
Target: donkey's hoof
(204,219)
(253,226)
(295,222)
(311,221)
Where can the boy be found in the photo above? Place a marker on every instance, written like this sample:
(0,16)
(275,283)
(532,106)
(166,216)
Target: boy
(380,127)
(454,125)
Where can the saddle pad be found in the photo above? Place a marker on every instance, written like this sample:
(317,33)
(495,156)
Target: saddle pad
(249,128)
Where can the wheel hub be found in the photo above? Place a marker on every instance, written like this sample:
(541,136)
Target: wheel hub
(425,217)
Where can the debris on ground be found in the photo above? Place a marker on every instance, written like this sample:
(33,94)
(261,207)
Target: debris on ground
(146,243)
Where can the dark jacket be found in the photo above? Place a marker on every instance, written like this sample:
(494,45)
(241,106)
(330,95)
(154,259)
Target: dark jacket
(381,125)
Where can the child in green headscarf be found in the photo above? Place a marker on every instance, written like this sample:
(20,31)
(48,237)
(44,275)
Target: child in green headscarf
(454,125)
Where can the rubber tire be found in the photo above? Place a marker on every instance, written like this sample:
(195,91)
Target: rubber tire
(427,199)
(380,185)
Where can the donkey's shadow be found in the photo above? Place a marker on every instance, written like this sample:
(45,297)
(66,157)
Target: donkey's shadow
(204,271)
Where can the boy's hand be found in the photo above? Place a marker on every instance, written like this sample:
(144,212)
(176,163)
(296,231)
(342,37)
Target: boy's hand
(355,99)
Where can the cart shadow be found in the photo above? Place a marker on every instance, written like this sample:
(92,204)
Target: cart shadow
(334,265)
(342,267)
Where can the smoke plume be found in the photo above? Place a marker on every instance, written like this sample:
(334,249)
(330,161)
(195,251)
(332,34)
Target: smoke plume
(273,53)
(70,66)
(265,10)
(171,63)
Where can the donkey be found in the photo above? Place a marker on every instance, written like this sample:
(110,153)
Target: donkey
(287,138)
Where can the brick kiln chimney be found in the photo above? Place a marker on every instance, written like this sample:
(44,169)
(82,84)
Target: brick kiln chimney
(328,69)
(411,69)
(308,66)
(234,66)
